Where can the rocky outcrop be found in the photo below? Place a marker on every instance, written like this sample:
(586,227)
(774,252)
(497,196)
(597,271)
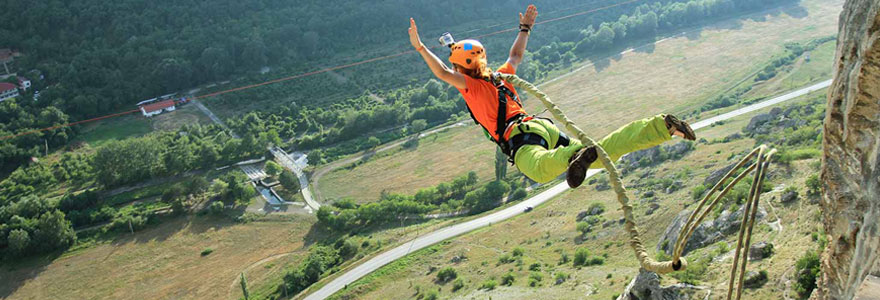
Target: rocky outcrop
(706,233)
(851,160)
(646,286)
(760,250)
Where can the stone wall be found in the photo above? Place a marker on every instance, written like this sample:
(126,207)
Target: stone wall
(851,161)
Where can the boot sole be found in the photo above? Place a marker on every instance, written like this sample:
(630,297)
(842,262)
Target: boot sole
(577,169)
(681,126)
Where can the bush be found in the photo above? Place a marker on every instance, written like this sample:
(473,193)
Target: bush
(217,208)
(535,267)
(207,251)
(580,256)
(457,284)
(505,259)
(508,279)
(489,284)
(756,281)
(806,270)
(814,186)
(596,261)
(584,228)
(563,258)
(560,277)
(697,192)
(446,274)
(518,252)
(432,295)
(289,181)
(273,168)
(519,193)
(535,279)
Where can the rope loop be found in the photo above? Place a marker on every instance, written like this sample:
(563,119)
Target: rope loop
(678,262)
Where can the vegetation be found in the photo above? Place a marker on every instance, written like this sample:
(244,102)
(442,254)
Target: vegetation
(806,270)
(508,279)
(489,284)
(460,194)
(320,262)
(446,274)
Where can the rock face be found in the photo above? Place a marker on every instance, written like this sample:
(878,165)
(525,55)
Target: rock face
(760,250)
(646,286)
(851,159)
(706,233)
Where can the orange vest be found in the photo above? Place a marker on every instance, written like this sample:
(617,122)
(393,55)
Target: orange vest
(481,98)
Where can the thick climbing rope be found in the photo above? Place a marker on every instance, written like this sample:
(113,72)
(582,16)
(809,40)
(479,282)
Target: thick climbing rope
(677,263)
(635,242)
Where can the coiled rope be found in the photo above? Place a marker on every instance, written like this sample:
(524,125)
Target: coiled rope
(677,263)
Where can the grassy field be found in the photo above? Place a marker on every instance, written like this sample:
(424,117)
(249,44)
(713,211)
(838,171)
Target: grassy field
(676,75)
(160,262)
(98,133)
(548,231)
(184,115)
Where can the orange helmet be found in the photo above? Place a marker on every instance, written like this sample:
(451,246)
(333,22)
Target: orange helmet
(466,53)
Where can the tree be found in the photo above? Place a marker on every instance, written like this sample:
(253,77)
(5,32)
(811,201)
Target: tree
(53,232)
(373,142)
(218,186)
(289,180)
(418,126)
(244,288)
(500,164)
(19,241)
(272,168)
(604,37)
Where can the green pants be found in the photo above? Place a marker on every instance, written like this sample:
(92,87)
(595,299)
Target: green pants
(542,165)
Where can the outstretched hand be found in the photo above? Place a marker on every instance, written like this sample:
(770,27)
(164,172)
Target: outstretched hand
(414,34)
(529,18)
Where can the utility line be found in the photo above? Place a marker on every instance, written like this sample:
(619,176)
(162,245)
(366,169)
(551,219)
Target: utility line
(301,75)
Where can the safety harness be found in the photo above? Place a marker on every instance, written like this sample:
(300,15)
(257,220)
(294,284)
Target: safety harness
(509,147)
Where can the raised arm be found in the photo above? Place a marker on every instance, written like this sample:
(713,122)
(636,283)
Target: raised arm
(522,38)
(437,66)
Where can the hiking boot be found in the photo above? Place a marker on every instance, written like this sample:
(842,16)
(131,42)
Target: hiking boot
(675,125)
(578,165)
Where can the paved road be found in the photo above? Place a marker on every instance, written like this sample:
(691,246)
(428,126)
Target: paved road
(288,163)
(458,229)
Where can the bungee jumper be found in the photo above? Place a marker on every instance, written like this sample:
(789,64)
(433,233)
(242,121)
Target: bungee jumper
(533,144)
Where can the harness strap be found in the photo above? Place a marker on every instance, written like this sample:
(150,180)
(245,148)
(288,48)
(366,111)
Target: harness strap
(528,138)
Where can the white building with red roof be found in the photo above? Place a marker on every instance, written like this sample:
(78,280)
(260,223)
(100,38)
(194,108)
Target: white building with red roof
(7,91)
(155,108)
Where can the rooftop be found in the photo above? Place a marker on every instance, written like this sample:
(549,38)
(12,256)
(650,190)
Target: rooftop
(5,86)
(158,105)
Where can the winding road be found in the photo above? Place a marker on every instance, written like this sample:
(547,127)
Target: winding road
(439,235)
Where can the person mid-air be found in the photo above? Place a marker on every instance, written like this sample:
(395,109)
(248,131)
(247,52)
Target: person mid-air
(537,148)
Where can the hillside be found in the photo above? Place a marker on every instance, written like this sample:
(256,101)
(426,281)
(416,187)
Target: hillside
(538,249)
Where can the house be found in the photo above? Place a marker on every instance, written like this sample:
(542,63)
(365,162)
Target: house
(24,84)
(7,91)
(152,109)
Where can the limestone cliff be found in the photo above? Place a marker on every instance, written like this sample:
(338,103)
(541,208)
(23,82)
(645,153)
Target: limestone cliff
(851,161)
